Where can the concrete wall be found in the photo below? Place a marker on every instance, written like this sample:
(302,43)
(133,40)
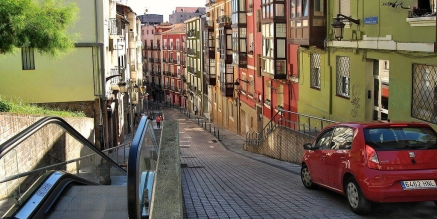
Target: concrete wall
(48,145)
(283,144)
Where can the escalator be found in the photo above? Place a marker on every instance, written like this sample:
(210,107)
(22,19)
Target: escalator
(67,177)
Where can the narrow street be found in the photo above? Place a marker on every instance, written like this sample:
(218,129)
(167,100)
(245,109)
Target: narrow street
(220,180)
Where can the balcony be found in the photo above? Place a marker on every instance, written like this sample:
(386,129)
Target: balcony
(191,52)
(241,60)
(191,33)
(227,89)
(191,70)
(114,27)
(224,21)
(211,79)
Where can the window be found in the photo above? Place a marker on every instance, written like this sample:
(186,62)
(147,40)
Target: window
(343,7)
(424,8)
(424,87)
(315,71)
(268,93)
(324,141)
(343,76)
(28,58)
(342,138)
(251,86)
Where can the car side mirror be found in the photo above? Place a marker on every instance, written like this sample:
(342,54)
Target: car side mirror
(309,146)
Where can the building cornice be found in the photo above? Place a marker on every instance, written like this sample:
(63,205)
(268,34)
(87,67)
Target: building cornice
(383,43)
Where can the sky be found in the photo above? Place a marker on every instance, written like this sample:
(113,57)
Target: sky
(163,7)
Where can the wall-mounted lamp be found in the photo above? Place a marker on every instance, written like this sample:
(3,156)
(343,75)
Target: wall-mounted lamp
(122,86)
(237,83)
(338,25)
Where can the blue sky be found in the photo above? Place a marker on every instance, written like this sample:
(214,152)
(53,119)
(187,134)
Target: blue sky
(164,7)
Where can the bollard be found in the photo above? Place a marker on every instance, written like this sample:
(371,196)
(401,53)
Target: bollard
(209,127)
(198,121)
(218,134)
(189,115)
(214,131)
(205,122)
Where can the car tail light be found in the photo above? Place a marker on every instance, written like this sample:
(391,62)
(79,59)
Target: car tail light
(372,158)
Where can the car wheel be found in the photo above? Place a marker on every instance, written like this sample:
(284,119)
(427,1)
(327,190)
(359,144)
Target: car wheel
(306,177)
(357,202)
(435,202)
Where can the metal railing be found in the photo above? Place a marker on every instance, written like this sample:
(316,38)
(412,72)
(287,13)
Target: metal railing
(64,150)
(305,124)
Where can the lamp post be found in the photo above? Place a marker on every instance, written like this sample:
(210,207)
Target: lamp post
(127,88)
(237,101)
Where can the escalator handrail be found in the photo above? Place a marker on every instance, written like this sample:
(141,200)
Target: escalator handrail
(133,194)
(13,142)
(45,197)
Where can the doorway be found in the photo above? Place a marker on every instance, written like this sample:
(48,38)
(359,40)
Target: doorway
(381,73)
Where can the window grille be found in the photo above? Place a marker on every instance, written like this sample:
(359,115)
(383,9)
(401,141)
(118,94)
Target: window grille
(343,76)
(424,98)
(315,71)
(27,58)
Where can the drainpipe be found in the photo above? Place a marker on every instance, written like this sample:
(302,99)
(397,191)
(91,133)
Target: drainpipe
(101,95)
(435,43)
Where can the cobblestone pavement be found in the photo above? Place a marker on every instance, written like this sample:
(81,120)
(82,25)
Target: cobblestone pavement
(221,180)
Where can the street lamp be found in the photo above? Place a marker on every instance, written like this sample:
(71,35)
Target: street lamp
(338,25)
(127,88)
(237,101)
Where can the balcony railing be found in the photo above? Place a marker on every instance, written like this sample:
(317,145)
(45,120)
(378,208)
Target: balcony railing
(191,69)
(114,26)
(224,20)
(191,52)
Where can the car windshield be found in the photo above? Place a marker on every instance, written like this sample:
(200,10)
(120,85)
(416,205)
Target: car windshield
(401,138)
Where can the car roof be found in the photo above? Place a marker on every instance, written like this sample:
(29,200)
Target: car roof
(380,124)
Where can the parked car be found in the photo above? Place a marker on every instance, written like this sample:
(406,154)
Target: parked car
(374,162)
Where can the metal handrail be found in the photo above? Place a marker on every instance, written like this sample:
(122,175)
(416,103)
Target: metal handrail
(303,126)
(13,142)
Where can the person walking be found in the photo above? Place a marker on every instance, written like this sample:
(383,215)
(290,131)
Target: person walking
(158,121)
(195,110)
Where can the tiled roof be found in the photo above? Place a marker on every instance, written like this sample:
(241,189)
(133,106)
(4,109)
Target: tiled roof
(177,28)
(186,9)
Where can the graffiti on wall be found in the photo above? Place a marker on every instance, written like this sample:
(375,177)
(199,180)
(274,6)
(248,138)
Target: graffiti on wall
(355,99)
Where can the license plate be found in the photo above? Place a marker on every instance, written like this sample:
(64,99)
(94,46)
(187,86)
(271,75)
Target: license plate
(418,184)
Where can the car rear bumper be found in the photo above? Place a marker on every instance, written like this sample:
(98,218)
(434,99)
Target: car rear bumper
(385,186)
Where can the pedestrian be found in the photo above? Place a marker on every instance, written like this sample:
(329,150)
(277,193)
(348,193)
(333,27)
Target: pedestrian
(137,119)
(195,110)
(158,121)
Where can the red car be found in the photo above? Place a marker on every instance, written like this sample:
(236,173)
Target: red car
(374,162)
